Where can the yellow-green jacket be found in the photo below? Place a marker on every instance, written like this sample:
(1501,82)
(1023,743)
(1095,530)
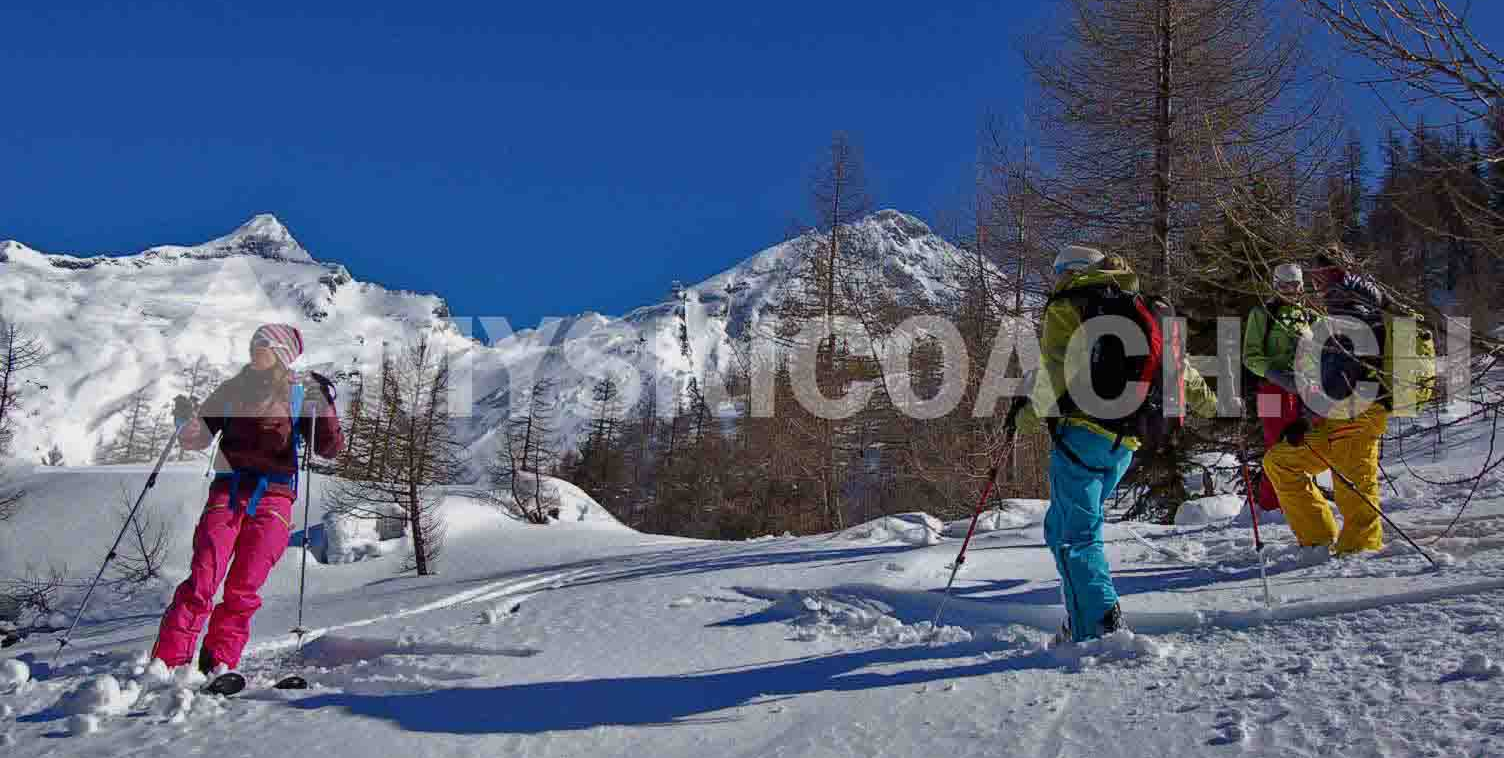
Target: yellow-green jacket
(1060,321)
(1270,341)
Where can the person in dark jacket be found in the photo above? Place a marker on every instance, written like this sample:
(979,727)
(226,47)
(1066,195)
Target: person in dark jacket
(248,517)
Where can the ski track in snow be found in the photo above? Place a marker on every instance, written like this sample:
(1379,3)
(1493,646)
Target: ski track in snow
(501,590)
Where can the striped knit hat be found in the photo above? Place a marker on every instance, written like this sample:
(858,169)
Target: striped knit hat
(285,342)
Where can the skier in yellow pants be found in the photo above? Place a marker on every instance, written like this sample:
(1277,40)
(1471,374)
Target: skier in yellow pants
(1351,445)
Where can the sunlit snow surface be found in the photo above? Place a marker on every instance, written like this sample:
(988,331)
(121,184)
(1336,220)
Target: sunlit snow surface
(587,638)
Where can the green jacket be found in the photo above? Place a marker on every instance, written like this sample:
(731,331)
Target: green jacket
(1272,346)
(1060,321)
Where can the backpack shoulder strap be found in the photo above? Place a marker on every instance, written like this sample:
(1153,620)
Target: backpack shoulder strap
(295,401)
(1083,291)
(295,413)
(1271,310)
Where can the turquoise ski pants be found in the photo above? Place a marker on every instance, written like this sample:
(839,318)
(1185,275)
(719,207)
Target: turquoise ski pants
(1073,524)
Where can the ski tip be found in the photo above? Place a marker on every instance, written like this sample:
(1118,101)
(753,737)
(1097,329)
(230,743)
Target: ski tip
(293,682)
(226,684)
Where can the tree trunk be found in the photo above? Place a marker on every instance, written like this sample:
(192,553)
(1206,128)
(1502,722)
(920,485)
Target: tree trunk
(5,376)
(1162,149)
(415,522)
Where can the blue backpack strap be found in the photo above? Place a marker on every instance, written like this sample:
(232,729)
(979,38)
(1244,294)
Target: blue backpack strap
(250,505)
(232,474)
(295,409)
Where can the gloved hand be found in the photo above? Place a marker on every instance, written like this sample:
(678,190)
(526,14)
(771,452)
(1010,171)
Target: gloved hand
(317,386)
(1296,432)
(1285,380)
(183,409)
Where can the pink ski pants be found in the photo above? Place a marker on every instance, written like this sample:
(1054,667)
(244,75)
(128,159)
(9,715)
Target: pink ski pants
(228,548)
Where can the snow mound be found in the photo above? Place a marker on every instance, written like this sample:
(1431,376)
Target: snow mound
(1012,514)
(14,673)
(901,529)
(1478,666)
(1121,645)
(83,724)
(100,696)
(347,539)
(1266,518)
(575,505)
(1208,510)
(866,620)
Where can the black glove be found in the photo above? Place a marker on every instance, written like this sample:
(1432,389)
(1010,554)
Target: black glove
(183,409)
(1296,432)
(324,385)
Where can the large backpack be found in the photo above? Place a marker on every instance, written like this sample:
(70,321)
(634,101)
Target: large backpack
(1411,376)
(1156,415)
(1406,378)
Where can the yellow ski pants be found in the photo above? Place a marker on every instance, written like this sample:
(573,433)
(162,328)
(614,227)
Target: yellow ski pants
(1352,446)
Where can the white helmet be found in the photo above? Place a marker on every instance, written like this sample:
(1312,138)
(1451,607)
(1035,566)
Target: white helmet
(1289,273)
(1075,258)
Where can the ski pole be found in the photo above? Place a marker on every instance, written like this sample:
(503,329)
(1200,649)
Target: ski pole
(1253,510)
(992,473)
(151,481)
(313,427)
(213,454)
(1354,487)
(1253,507)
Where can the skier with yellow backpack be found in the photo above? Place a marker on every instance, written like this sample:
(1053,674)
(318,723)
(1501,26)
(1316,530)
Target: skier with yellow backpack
(1345,417)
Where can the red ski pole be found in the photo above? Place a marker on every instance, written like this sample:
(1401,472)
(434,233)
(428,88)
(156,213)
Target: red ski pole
(981,505)
(1253,507)
(1253,511)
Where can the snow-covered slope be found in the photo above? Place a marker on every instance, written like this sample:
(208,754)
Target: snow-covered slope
(586,638)
(119,324)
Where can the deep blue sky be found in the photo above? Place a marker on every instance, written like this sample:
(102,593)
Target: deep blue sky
(520,159)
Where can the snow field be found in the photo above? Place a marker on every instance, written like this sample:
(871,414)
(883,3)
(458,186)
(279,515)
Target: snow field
(584,637)
(14,673)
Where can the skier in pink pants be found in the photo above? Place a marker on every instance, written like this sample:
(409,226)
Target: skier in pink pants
(248,517)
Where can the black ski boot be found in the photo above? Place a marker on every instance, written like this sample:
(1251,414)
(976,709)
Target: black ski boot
(1113,620)
(206,662)
(1062,637)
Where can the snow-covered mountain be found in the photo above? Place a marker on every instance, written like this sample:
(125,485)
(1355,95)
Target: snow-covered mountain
(118,324)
